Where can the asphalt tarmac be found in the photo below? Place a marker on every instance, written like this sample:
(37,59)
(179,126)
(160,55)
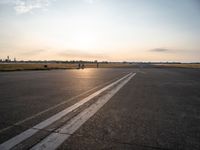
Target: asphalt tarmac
(157,109)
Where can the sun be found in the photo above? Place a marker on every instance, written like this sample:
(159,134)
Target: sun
(84,40)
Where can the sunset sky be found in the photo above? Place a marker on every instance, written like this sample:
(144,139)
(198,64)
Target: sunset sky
(113,30)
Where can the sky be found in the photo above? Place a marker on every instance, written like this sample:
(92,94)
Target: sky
(104,30)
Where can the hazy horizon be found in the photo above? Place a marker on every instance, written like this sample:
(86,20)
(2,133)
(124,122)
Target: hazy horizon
(113,30)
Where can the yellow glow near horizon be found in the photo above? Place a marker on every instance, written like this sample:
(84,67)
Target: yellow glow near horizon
(83,40)
(106,30)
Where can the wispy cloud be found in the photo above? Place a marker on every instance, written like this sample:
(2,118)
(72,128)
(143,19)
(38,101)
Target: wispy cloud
(24,6)
(160,50)
(27,6)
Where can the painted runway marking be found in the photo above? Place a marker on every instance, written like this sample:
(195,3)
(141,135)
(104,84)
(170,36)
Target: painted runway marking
(53,107)
(54,140)
(30,132)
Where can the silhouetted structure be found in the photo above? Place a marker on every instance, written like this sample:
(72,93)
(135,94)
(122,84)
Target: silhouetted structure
(97,65)
(79,65)
(82,66)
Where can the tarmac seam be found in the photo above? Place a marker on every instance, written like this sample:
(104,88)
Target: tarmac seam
(31,131)
(54,140)
(53,107)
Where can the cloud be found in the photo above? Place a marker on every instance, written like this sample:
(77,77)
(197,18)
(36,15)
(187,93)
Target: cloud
(159,50)
(25,6)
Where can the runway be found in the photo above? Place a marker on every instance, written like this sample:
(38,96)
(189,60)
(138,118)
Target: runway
(154,109)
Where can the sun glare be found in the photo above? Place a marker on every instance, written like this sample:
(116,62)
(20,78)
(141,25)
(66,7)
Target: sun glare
(83,40)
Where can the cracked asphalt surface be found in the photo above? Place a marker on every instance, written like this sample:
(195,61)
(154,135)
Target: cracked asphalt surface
(157,109)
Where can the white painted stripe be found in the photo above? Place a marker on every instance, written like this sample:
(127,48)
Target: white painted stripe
(53,107)
(30,132)
(54,140)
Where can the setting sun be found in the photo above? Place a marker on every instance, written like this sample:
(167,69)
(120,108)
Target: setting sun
(106,30)
(83,40)
(99,74)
